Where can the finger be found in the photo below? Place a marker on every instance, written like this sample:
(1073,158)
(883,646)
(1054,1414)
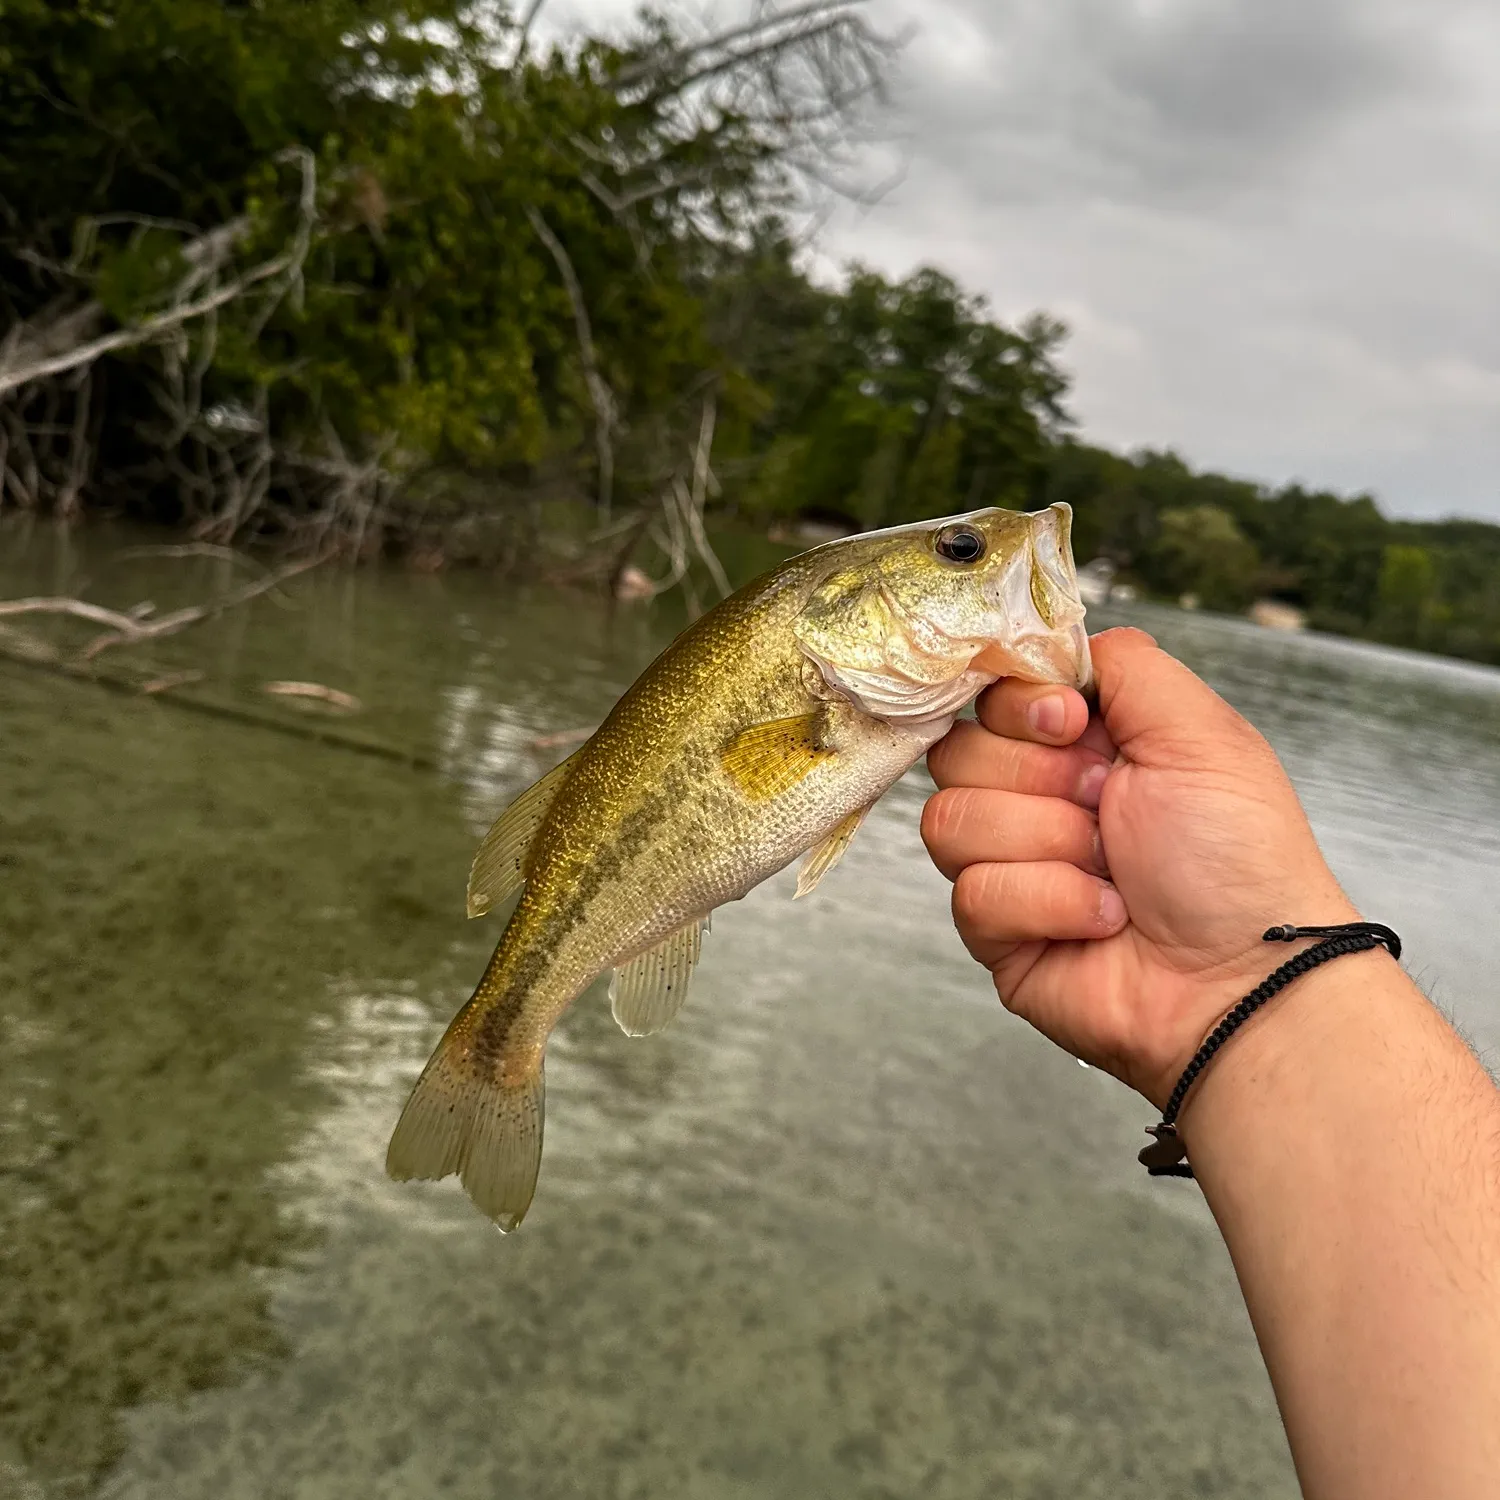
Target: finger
(969,755)
(1097,738)
(1039,711)
(965,825)
(997,906)
(1148,700)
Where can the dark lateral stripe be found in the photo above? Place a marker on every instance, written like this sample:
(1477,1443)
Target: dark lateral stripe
(519,967)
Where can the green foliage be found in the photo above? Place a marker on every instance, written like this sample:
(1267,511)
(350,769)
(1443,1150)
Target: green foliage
(1200,550)
(1408,583)
(429,325)
(1434,584)
(907,398)
(421,358)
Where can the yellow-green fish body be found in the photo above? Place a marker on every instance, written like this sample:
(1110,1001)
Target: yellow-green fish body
(766,730)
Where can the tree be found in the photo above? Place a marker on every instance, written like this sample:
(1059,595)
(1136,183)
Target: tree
(1408,582)
(912,400)
(1200,550)
(273,268)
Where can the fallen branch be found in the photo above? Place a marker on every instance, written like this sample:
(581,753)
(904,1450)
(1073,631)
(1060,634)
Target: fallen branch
(317,692)
(39,657)
(180,619)
(79,609)
(129,627)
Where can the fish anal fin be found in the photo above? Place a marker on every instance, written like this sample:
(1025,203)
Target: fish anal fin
(825,854)
(499,868)
(461,1119)
(646,993)
(768,759)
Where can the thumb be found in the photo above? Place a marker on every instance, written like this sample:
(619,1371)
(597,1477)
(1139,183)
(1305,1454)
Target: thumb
(1156,709)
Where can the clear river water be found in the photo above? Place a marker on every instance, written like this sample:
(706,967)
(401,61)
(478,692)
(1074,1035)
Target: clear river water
(847,1229)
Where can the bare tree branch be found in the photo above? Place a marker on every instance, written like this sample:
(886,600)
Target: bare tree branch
(697,496)
(20,366)
(763,23)
(523,40)
(600,395)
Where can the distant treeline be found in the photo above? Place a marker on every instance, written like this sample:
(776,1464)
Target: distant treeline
(383,276)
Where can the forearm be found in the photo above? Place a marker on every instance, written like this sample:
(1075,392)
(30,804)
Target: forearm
(1349,1147)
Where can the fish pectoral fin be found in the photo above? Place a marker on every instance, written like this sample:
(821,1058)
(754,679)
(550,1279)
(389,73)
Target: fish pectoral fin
(499,868)
(646,993)
(766,760)
(823,856)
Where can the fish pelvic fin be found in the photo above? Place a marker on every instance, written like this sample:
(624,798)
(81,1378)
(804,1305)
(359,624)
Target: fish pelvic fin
(646,993)
(499,868)
(824,855)
(768,759)
(461,1118)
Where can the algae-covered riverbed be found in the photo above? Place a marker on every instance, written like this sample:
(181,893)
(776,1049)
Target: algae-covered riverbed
(847,1229)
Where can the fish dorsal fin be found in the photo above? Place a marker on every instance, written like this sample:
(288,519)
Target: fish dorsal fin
(499,868)
(824,855)
(647,993)
(766,760)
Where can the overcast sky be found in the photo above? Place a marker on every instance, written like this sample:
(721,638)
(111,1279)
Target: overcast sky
(1273,226)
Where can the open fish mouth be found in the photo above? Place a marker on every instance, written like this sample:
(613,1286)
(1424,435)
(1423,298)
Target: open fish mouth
(1047,640)
(1047,655)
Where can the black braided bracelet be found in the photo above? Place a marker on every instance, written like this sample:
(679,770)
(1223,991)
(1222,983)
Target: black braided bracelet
(1166,1156)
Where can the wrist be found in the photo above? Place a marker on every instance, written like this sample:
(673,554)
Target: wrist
(1205,1000)
(1297,1050)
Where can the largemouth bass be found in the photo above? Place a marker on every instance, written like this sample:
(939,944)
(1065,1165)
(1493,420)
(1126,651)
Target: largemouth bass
(766,730)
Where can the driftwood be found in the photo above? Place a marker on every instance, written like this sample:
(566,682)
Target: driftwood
(131,627)
(315,692)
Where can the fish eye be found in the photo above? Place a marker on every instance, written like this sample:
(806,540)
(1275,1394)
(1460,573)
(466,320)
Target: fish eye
(960,544)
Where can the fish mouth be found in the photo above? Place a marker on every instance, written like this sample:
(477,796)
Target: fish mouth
(1060,656)
(1067,647)
(1041,590)
(1074,652)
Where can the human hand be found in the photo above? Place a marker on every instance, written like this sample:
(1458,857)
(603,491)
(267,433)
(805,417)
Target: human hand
(1115,873)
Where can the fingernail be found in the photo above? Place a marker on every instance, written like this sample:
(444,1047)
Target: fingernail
(1101,863)
(1048,716)
(1112,913)
(1091,784)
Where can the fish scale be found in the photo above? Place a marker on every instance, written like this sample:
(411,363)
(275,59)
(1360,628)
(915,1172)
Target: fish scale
(765,730)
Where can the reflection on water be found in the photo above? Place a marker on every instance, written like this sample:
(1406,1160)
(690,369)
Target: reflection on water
(846,1229)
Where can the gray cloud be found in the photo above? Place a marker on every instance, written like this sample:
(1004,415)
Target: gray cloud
(1273,225)
(1154,100)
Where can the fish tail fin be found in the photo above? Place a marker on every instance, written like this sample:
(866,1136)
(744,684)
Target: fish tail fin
(462,1118)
